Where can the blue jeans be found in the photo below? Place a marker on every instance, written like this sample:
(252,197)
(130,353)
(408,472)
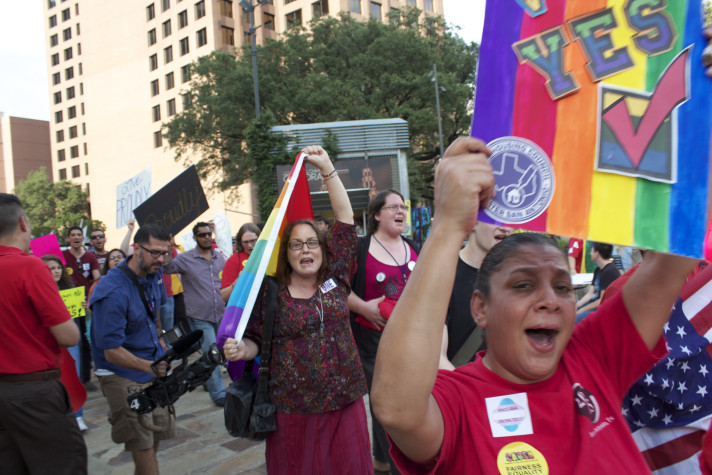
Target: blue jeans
(76,352)
(215,383)
(166,314)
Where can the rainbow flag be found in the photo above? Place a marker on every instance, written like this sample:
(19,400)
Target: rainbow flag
(294,203)
(615,95)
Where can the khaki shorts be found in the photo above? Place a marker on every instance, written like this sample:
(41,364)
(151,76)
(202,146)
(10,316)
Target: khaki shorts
(136,431)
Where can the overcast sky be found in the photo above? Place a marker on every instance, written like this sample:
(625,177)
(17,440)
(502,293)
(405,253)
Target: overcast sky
(23,69)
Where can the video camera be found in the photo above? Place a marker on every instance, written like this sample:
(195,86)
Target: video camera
(182,379)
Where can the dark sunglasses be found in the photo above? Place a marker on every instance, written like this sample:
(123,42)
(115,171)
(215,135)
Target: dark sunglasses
(97,236)
(204,235)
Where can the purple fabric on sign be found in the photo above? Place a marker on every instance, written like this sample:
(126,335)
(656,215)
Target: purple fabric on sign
(497,70)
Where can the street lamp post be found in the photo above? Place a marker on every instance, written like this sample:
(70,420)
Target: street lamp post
(248,6)
(434,75)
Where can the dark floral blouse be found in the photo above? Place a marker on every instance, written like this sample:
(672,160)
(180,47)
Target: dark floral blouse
(314,368)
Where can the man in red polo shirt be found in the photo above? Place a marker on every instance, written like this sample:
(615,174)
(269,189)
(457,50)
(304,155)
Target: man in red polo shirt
(38,432)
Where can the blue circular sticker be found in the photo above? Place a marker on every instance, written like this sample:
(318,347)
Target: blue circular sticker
(524,180)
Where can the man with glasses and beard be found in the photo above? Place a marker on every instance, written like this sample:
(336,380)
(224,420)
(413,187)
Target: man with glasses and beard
(125,343)
(201,270)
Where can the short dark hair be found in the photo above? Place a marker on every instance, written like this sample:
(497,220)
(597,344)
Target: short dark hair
(323,220)
(245,228)
(284,270)
(152,230)
(10,212)
(375,205)
(506,248)
(605,250)
(72,228)
(198,226)
(95,230)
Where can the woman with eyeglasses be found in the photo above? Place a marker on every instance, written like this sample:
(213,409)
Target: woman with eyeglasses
(315,376)
(244,242)
(113,258)
(384,260)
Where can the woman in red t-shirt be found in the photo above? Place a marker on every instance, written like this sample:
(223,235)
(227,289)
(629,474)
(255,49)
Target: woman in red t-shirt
(244,242)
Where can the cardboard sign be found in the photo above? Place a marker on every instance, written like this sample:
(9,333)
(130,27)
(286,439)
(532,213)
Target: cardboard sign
(73,300)
(601,112)
(130,194)
(48,244)
(175,205)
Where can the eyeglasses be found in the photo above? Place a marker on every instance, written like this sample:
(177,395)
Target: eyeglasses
(97,236)
(251,242)
(204,235)
(396,207)
(118,257)
(297,245)
(155,254)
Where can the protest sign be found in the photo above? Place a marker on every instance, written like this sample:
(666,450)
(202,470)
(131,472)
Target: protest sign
(223,234)
(73,300)
(175,205)
(601,113)
(130,194)
(44,245)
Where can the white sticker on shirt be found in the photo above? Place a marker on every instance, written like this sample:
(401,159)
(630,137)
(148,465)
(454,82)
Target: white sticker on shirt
(327,286)
(509,415)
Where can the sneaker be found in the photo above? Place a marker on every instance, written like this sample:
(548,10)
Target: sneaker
(220,402)
(81,424)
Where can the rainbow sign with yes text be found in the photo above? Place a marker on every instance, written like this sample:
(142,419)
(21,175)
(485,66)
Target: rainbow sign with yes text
(612,94)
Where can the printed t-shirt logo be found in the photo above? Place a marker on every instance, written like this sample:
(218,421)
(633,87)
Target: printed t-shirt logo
(586,403)
(509,415)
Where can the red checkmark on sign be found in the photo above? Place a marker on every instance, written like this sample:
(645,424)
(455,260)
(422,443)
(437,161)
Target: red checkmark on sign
(670,92)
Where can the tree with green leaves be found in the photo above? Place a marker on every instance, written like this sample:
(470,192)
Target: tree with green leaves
(54,207)
(340,69)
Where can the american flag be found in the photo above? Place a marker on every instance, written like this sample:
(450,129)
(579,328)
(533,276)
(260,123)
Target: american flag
(670,408)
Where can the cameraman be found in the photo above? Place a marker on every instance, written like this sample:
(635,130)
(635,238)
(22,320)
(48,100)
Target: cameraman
(125,343)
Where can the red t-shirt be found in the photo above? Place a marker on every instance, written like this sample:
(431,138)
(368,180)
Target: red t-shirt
(80,270)
(576,251)
(30,304)
(571,423)
(232,269)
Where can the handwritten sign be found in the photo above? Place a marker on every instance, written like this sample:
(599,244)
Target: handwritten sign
(175,205)
(130,194)
(44,245)
(73,299)
(223,235)
(601,114)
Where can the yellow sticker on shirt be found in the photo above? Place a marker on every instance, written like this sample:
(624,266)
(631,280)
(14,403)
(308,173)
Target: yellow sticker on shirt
(69,270)
(519,458)
(220,275)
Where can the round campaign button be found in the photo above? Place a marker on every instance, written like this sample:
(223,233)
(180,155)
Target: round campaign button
(220,275)
(69,270)
(411,265)
(524,180)
(380,277)
(519,458)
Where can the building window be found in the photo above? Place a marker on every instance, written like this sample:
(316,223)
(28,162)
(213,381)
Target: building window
(286,2)
(73,132)
(53,21)
(154,87)
(151,37)
(56,78)
(61,156)
(184,48)
(183,19)
(170,81)
(75,171)
(76,9)
(60,138)
(153,62)
(355,6)
(58,117)
(66,14)
(81,88)
(80,69)
(51,4)
(268,21)
(185,73)
(200,9)
(202,37)
(320,8)
(157,139)
(165,5)
(376,10)
(84,128)
(67,34)
(57,97)
(156,113)
(428,5)
(226,8)
(55,59)
(228,35)
(70,93)
(72,112)
(411,2)
(68,54)
(78,32)
(79,49)
(74,151)
(245,17)
(86,166)
(84,145)
(62,173)
(82,105)
(69,73)
(187,100)
(54,40)
(294,19)
(166,28)
(150,12)
(168,54)
(171,107)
